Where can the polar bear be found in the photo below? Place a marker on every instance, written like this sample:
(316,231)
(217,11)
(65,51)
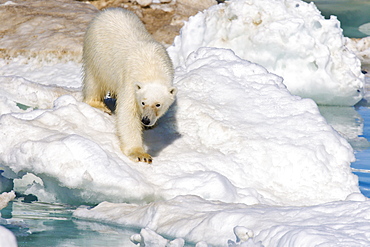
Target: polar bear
(121,57)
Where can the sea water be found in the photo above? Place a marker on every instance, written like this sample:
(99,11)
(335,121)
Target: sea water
(44,224)
(362,165)
(353,15)
(354,124)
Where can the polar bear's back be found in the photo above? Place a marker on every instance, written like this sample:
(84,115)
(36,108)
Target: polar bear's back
(117,45)
(111,37)
(116,23)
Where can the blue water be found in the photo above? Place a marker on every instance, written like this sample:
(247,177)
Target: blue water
(353,123)
(362,165)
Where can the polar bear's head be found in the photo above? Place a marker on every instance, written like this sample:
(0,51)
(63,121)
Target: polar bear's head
(153,100)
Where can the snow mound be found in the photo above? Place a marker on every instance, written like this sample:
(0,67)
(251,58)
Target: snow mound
(251,124)
(288,37)
(31,94)
(235,134)
(343,223)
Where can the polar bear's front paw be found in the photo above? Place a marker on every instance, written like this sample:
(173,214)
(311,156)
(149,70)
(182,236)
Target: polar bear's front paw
(138,155)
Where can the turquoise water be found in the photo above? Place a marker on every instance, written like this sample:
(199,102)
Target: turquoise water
(44,224)
(351,13)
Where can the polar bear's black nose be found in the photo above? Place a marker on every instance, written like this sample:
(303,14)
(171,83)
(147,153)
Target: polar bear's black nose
(145,121)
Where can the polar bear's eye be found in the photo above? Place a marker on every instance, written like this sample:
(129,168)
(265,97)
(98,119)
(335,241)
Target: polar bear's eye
(143,103)
(158,105)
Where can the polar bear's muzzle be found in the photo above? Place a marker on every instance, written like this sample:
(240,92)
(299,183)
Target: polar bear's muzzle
(148,118)
(147,122)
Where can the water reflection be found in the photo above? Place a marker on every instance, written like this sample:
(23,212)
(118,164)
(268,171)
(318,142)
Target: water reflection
(353,123)
(44,224)
(348,122)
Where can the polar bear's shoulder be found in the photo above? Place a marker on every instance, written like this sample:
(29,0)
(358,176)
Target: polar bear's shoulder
(117,22)
(118,16)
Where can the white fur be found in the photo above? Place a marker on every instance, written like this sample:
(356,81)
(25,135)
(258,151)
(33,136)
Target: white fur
(120,56)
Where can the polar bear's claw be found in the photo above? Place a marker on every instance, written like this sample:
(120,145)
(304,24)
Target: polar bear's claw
(144,159)
(139,156)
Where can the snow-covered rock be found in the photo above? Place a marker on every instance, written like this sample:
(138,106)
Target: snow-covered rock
(42,28)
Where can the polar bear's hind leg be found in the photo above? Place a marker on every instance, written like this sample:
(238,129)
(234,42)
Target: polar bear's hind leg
(99,105)
(93,95)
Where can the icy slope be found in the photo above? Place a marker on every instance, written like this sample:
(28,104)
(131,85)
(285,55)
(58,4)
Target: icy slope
(288,37)
(235,134)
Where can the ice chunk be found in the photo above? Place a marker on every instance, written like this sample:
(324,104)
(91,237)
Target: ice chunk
(289,38)
(341,223)
(7,239)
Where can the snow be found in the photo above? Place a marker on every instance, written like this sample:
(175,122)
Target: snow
(341,223)
(235,135)
(238,159)
(288,37)
(7,239)
(361,47)
(230,112)
(147,237)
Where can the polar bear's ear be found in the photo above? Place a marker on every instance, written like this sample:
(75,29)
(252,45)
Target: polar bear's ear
(173,91)
(138,86)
